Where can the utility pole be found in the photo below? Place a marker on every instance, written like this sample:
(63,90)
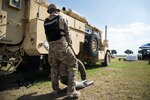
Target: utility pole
(105,32)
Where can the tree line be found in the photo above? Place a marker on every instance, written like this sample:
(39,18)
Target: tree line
(128,52)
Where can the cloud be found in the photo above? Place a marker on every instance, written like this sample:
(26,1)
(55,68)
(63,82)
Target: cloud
(130,36)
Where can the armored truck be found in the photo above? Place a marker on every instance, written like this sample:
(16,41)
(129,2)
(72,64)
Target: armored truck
(22,35)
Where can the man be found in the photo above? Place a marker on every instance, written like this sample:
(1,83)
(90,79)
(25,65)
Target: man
(57,34)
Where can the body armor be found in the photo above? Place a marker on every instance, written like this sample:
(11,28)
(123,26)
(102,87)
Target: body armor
(52,29)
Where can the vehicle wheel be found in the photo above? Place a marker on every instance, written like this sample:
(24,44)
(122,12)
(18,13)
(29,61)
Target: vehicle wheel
(91,45)
(107,59)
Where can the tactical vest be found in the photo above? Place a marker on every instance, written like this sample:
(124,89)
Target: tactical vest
(52,29)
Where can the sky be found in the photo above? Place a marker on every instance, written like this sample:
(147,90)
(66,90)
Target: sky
(128,21)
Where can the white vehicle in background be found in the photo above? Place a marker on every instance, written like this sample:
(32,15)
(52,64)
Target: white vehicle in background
(131,58)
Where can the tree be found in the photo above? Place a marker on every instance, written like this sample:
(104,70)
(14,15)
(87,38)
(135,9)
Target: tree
(128,51)
(113,52)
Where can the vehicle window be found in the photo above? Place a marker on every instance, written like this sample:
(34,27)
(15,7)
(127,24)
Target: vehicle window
(88,29)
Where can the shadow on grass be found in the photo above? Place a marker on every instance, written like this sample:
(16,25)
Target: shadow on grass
(19,79)
(50,96)
(28,78)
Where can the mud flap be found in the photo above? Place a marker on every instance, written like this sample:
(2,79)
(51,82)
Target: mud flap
(83,84)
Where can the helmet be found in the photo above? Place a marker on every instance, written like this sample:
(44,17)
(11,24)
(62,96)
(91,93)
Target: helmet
(52,7)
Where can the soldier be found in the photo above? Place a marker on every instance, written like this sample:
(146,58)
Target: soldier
(57,34)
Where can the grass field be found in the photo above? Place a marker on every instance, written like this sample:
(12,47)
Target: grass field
(122,80)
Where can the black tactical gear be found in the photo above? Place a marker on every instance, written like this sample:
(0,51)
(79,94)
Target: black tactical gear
(52,29)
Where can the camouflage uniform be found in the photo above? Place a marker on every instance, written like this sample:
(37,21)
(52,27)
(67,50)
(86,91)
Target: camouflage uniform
(60,52)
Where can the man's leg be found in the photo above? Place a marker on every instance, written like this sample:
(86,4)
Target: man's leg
(54,73)
(69,59)
(54,78)
(71,91)
(63,73)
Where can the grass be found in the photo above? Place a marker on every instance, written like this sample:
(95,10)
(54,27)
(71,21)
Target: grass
(122,80)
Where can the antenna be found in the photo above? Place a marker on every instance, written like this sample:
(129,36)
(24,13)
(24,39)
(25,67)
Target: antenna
(105,32)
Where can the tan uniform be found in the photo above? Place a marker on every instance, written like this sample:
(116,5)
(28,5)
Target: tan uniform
(60,52)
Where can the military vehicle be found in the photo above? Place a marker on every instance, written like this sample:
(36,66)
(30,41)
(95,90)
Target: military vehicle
(22,35)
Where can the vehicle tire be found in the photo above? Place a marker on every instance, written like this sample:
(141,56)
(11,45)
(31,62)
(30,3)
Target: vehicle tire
(91,44)
(107,59)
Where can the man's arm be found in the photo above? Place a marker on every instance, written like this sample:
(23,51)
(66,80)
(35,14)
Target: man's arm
(64,26)
(67,35)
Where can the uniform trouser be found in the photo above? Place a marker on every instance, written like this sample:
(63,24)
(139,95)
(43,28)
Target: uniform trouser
(71,81)
(65,56)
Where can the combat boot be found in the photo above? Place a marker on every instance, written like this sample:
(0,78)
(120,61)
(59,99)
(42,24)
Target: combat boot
(56,92)
(56,89)
(71,91)
(74,94)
